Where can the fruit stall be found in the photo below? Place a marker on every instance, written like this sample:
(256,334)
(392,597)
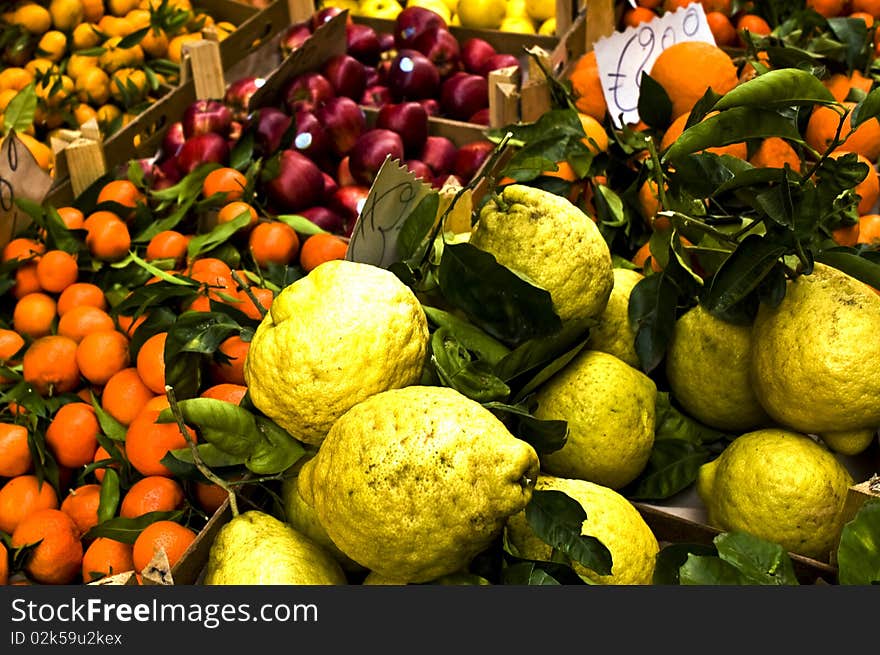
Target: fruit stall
(460,292)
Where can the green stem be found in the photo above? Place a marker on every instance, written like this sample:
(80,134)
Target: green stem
(834,145)
(250,294)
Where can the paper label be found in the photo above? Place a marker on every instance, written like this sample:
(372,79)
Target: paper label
(622,56)
(20,177)
(393,196)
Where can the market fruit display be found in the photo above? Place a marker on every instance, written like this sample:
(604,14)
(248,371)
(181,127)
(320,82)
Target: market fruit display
(573,328)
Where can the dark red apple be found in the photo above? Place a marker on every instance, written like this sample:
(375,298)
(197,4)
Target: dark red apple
(347,75)
(382,70)
(470,157)
(372,75)
(420,169)
(432,107)
(463,95)
(348,202)
(344,122)
(439,154)
(325,218)
(327,14)
(201,149)
(481,117)
(409,120)
(330,185)
(370,151)
(307,92)
(205,116)
(386,41)
(412,22)
(376,96)
(298,185)
(269,125)
(474,53)
(238,95)
(311,138)
(173,140)
(343,173)
(442,48)
(362,43)
(412,76)
(495,62)
(294,36)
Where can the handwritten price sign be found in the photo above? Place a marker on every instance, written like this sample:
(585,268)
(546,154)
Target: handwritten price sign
(20,176)
(623,56)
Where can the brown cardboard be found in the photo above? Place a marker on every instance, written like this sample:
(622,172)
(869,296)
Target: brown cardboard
(858,494)
(190,565)
(20,177)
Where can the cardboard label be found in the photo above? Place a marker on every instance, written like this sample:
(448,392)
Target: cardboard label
(394,194)
(623,56)
(20,177)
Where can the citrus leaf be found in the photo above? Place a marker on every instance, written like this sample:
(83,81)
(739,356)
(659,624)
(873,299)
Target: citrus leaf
(866,110)
(557,519)
(301,224)
(671,558)
(198,332)
(19,113)
(732,126)
(528,573)
(229,427)
(543,351)
(672,467)
(109,498)
(853,33)
(655,107)
(133,39)
(742,272)
(545,436)
(158,272)
(457,369)
(470,336)
(759,561)
(127,530)
(703,570)
(221,233)
(276,452)
(417,226)
(652,311)
(670,423)
(212,456)
(858,555)
(784,87)
(550,370)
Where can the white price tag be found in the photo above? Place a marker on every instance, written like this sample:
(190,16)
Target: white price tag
(622,56)
(20,177)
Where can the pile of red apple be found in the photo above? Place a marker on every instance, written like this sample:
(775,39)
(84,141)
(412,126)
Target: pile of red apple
(326,155)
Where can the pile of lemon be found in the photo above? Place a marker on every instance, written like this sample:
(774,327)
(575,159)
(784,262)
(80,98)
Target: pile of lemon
(93,59)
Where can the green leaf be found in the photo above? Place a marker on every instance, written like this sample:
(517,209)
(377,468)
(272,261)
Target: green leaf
(301,224)
(198,332)
(702,570)
(866,110)
(212,456)
(276,452)
(468,335)
(545,436)
(759,561)
(858,555)
(671,558)
(133,39)
(550,370)
(742,272)
(784,87)
(494,297)
(557,519)
(417,226)
(670,423)
(672,467)
(109,501)
(651,310)
(155,271)
(655,107)
(220,234)
(128,530)
(242,153)
(555,123)
(732,126)
(229,427)
(534,354)
(528,573)
(457,369)
(58,235)
(853,33)
(19,114)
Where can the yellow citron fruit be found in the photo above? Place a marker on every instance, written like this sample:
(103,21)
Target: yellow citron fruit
(517,9)
(548,27)
(610,410)
(708,365)
(541,10)
(614,334)
(481,14)
(93,87)
(451,5)
(32,17)
(387,9)
(85,36)
(413,483)
(526,229)
(849,442)
(517,25)
(331,339)
(255,548)
(66,14)
(813,355)
(777,485)
(611,519)
(437,6)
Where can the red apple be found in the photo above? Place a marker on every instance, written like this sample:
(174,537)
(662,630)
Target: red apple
(348,202)
(205,116)
(311,138)
(420,169)
(376,96)
(463,95)
(474,53)
(298,185)
(362,43)
(495,62)
(386,41)
(343,173)
(441,47)
(269,125)
(439,154)
(409,120)
(470,157)
(344,122)
(347,75)
(481,117)
(201,149)
(173,140)
(370,151)
(307,92)
(432,107)
(330,185)
(294,36)
(327,14)
(325,218)
(238,95)
(412,76)
(412,22)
